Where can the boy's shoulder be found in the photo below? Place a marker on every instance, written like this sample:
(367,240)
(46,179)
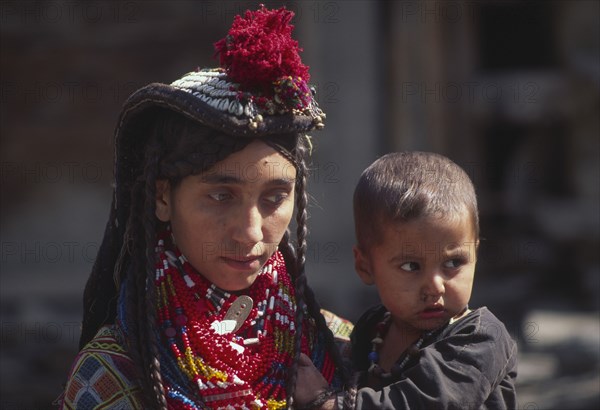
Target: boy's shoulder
(371,315)
(479,335)
(480,321)
(480,327)
(363,333)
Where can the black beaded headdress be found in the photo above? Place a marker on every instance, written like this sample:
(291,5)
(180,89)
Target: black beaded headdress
(261,89)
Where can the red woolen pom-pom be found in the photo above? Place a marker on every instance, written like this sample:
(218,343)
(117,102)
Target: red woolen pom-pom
(259,49)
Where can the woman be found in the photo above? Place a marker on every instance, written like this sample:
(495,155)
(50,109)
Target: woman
(198,297)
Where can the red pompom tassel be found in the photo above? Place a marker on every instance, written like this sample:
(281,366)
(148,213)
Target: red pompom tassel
(259,50)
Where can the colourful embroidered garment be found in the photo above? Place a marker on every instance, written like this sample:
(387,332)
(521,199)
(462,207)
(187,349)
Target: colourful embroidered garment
(103,376)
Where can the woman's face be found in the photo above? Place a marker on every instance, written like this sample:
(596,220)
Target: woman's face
(230,219)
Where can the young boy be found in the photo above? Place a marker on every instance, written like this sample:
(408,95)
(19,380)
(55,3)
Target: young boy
(417,230)
(417,234)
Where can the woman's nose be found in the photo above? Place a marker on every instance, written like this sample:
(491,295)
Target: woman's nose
(249,226)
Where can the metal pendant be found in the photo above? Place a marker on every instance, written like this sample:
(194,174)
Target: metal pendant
(239,311)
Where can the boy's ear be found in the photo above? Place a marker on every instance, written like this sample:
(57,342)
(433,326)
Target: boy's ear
(362,265)
(163,200)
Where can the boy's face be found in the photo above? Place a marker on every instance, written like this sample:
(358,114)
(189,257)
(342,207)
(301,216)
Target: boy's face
(230,219)
(423,270)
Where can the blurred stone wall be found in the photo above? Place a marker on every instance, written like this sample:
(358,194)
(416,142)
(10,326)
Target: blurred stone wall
(508,89)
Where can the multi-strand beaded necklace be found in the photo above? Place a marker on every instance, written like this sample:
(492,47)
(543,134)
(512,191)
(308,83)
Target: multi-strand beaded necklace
(231,361)
(381,330)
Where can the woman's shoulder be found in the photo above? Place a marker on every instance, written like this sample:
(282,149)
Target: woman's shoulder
(340,327)
(103,375)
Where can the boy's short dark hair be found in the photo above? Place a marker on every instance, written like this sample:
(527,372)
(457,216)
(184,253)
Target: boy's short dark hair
(404,186)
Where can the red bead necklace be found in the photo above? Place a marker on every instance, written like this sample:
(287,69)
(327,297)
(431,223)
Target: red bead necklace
(242,368)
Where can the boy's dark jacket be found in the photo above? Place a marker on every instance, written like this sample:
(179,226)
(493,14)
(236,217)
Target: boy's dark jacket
(470,364)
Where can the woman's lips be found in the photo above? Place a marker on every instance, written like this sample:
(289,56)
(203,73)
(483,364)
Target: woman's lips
(244,264)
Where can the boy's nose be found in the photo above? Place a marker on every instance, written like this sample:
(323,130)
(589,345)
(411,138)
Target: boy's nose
(434,287)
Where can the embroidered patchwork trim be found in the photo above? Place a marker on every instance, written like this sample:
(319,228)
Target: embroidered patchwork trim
(102,376)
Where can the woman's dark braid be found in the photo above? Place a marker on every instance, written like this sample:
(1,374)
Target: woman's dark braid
(314,309)
(135,315)
(300,280)
(124,255)
(139,335)
(149,221)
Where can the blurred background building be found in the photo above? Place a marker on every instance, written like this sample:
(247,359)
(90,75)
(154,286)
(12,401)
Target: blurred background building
(510,90)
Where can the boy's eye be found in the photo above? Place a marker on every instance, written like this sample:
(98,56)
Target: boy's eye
(454,263)
(410,266)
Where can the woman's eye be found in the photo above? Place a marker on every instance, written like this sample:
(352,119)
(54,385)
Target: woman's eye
(276,198)
(220,196)
(410,266)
